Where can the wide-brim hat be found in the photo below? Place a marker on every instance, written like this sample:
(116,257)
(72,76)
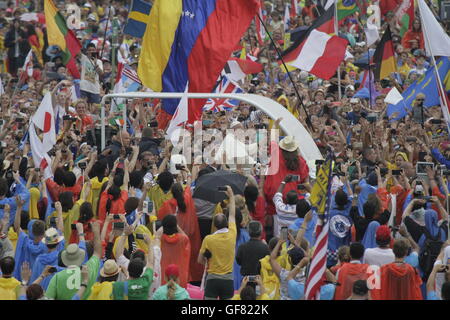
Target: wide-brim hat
(73,255)
(289,144)
(52,237)
(110,268)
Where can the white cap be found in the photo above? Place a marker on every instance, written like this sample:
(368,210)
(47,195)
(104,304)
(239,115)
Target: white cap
(354,100)
(350,87)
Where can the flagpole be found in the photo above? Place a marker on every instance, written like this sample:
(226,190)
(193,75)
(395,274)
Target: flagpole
(300,99)
(370,86)
(336,30)
(106,30)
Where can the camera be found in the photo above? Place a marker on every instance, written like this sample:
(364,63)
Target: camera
(251,278)
(82,165)
(67,117)
(221,188)
(118,225)
(295,178)
(116,216)
(153,124)
(179,166)
(301,187)
(139,236)
(396,172)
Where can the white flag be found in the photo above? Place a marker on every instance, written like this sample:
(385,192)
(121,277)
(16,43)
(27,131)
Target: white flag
(437,42)
(28,64)
(393,97)
(41,158)
(371,31)
(44,119)
(179,117)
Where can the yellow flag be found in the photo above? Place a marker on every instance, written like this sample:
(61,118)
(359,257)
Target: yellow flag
(319,192)
(157,42)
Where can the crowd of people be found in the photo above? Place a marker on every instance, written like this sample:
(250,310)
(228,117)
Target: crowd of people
(125,222)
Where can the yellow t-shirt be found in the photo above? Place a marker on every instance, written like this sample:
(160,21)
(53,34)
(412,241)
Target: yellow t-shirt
(157,195)
(261,297)
(222,247)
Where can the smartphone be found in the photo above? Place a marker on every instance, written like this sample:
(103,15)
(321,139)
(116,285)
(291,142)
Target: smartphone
(319,162)
(384,171)
(436,121)
(251,278)
(411,139)
(52,270)
(397,172)
(116,216)
(301,187)
(73,226)
(139,236)
(421,167)
(153,124)
(422,156)
(150,206)
(284,233)
(221,188)
(53,221)
(179,166)
(82,165)
(295,178)
(118,225)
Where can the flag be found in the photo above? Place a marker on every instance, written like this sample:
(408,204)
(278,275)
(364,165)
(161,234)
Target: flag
(179,118)
(371,31)
(189,40)
(2,89)
(389,5)
(28,64)
(318,51)
(236,69)
(294,9)
(427,85)
(260,30)
(393,97)
(138,18)
(44,119)
(438,42)
(384,57)
(320,196)
(220,104)
(127,80)
(60,35)
(405,16)
(41,158)
(346,8)
(368,90)
(287,17)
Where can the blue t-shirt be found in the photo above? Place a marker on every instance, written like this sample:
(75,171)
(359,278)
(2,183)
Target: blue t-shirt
(296,290)
(432,295)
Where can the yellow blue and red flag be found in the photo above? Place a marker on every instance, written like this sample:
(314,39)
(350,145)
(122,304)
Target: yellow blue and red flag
(189,41)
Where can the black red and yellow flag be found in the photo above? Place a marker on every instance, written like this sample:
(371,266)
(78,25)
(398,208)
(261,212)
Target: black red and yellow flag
(384,57)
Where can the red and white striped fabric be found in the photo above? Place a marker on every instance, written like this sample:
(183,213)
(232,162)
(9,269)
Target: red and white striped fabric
(318,264)
(131,74)
(260,30)
(294,9)
(321,54)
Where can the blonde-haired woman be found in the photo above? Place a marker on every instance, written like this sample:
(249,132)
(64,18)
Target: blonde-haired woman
(171,290)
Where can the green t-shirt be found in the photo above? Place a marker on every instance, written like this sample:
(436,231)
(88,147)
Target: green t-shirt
(180,293)
(65,284)
(134,289)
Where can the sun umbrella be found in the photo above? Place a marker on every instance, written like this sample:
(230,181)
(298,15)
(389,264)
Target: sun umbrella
(206,185)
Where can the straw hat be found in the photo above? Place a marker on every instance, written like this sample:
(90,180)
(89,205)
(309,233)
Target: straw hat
(73,255)
(52,237)
(289,144)
(110,268)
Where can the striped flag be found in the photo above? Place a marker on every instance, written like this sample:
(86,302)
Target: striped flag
(320,199)
(260,30)
(217,105)
(384,57)
(295,10)
(60,35)
(319,50)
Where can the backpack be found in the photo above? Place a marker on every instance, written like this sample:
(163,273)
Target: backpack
(429,253)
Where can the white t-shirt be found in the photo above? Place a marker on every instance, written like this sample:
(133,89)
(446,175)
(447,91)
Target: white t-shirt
(89,77)
(378,256)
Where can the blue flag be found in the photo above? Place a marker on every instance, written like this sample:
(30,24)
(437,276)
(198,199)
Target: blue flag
(427,85)
(137,18)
